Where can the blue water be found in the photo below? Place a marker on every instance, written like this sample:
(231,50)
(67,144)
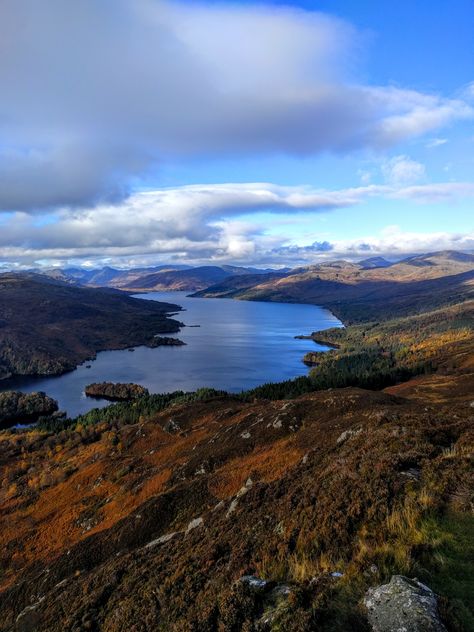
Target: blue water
(238,345)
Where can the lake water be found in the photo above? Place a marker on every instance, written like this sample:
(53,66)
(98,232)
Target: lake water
(238,345)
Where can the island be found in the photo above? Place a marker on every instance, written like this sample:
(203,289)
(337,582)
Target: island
(115,391)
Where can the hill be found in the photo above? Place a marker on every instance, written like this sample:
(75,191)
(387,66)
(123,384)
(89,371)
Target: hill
(103,277)
(158,278)
(355,293)
(48,326)
(149,520)
(272,510)
(375,262)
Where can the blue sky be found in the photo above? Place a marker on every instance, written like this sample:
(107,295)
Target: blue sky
(424,45)
(243,131)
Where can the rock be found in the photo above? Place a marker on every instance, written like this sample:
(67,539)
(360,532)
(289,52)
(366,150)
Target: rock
(197,522)
(413,473)
(254,583)
(161,540)
(243,490)
(403,605)
(348,434)
(171,426)
(164,341)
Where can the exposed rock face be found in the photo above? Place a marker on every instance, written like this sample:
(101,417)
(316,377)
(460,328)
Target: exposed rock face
(24,407)
(403,605)
(115,391)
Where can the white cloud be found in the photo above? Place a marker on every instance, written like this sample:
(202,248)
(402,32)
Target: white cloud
(200,223)
(402,170)
(436,142)
(92,97)
(392,243)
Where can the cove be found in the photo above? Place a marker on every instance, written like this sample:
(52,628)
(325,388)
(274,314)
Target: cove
(230,345)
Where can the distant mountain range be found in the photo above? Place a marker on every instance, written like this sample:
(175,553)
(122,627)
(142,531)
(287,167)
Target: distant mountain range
(159,278)
(356,290)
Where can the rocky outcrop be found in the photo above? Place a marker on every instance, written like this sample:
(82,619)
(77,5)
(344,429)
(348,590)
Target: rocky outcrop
(403,605)
(24,407)
(273,599)
(115,391)
(164,341)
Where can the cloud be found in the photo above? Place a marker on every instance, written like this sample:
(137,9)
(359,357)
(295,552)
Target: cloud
(434,193)
(396,243)
(402,170)
(436,142)
(95,94)
(193,221)
(393,243)
(198,223)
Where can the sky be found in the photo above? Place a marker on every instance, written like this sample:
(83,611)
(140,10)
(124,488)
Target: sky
(141,132)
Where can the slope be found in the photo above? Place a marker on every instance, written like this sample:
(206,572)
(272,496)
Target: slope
(48,327)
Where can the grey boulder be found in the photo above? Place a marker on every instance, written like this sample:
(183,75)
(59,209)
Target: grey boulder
(403,605)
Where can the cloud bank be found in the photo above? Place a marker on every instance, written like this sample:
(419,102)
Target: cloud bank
(215,222)
(94,94)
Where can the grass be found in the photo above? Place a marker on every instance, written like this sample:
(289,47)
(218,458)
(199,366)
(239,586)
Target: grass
(449,570)
(416,539)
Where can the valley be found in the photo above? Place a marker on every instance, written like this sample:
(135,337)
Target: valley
(151,514)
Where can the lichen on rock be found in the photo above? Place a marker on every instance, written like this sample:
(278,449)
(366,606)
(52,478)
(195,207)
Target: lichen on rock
(403,605)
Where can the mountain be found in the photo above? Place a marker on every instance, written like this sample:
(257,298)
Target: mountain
(159,278)
(102,277)
(374,262)
(354,293)
(232,285)
(49,326)
(189,280)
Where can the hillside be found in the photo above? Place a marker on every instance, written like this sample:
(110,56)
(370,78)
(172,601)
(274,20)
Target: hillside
(158,278)
(188,280)
(147,515)
(150,523)
(355,293)
(48,326)
(272,510)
